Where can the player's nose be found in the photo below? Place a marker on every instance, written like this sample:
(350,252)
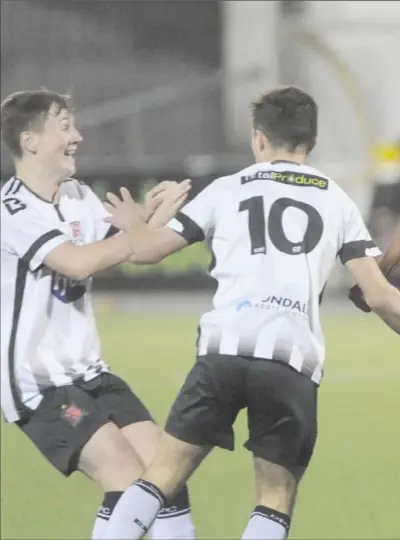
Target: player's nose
(76,136)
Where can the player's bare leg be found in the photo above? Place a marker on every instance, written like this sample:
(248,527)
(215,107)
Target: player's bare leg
(276,491)
(109,460)
(175,520)
(173,465)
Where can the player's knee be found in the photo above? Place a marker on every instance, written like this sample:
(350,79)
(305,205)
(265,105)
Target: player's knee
(175,461)
(276,486)
(144,438)
(109,460)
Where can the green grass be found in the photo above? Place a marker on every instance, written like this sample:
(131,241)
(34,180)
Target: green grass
(352,488)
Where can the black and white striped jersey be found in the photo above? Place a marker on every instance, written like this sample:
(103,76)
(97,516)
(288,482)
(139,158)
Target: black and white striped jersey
(275,230)
(48,331)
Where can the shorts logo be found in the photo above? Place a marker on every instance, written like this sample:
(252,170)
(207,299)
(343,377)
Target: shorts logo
(73,414)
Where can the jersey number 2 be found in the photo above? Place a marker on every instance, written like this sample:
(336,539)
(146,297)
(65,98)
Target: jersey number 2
(257,229)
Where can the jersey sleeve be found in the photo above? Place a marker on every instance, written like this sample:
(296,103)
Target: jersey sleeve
(29,235)
(356,242)
(102,228)
(196,219)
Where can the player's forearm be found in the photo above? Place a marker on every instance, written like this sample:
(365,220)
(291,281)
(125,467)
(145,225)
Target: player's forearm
(145,245)
(387,307)
(84,261)
(153,223)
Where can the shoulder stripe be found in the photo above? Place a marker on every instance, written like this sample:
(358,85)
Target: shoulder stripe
(11,187)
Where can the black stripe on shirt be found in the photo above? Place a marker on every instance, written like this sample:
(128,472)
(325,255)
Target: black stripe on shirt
(192,233)
(39,243)
(355,250)
(15,185)
(20,283)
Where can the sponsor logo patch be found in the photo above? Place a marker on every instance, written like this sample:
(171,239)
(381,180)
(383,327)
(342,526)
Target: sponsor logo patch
(289,178)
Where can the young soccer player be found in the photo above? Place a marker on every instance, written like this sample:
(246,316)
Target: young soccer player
(55,384)
(275,230)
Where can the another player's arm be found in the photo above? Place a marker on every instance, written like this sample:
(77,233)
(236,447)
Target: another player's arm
(150,246)
(80,262)
(189,226)
(358,253)
(161,244)
(380,295)
(389,261)
(114,246)
(391,257)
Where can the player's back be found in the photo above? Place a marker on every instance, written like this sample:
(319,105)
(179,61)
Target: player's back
(277,229)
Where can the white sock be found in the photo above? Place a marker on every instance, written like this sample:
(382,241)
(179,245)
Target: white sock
(135,512)
(267,524)
(104,513)
(174,526)
(174,522)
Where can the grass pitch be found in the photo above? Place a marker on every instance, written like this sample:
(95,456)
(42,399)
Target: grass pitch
(352,488)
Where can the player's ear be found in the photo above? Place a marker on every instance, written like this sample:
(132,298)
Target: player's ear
(29,142)
(259,139)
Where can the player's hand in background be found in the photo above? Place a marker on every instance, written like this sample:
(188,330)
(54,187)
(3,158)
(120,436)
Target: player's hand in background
(357,297)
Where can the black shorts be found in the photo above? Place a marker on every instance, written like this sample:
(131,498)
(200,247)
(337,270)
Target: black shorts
(68,416)
(281,408)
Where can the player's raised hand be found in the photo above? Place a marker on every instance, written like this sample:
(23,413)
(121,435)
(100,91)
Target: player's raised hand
(155,196)
(173,197)
(124,211)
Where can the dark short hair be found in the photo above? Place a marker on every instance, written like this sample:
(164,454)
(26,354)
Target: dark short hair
(288,117)
(24,111)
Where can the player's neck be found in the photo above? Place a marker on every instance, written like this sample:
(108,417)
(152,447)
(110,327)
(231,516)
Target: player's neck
(282,155)
(38,180)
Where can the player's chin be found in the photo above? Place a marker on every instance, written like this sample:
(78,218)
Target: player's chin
(69,167)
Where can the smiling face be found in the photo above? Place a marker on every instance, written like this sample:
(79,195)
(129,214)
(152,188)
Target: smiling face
(54,142)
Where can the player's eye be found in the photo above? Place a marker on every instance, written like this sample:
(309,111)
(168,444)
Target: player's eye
(65,126)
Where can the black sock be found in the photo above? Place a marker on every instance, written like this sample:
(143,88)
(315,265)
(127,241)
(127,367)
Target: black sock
(177,505)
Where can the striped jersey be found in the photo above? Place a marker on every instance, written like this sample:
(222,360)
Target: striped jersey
(275,230)
(48,331)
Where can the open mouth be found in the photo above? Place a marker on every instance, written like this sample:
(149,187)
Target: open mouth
(71,152)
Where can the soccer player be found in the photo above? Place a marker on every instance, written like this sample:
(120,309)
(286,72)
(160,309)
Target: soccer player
(389,261)
(275,229)
(55,385)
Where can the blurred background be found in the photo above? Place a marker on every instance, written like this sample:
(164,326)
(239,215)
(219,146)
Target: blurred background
(162,90)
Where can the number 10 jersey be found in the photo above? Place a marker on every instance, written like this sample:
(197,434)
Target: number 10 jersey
(275,230)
